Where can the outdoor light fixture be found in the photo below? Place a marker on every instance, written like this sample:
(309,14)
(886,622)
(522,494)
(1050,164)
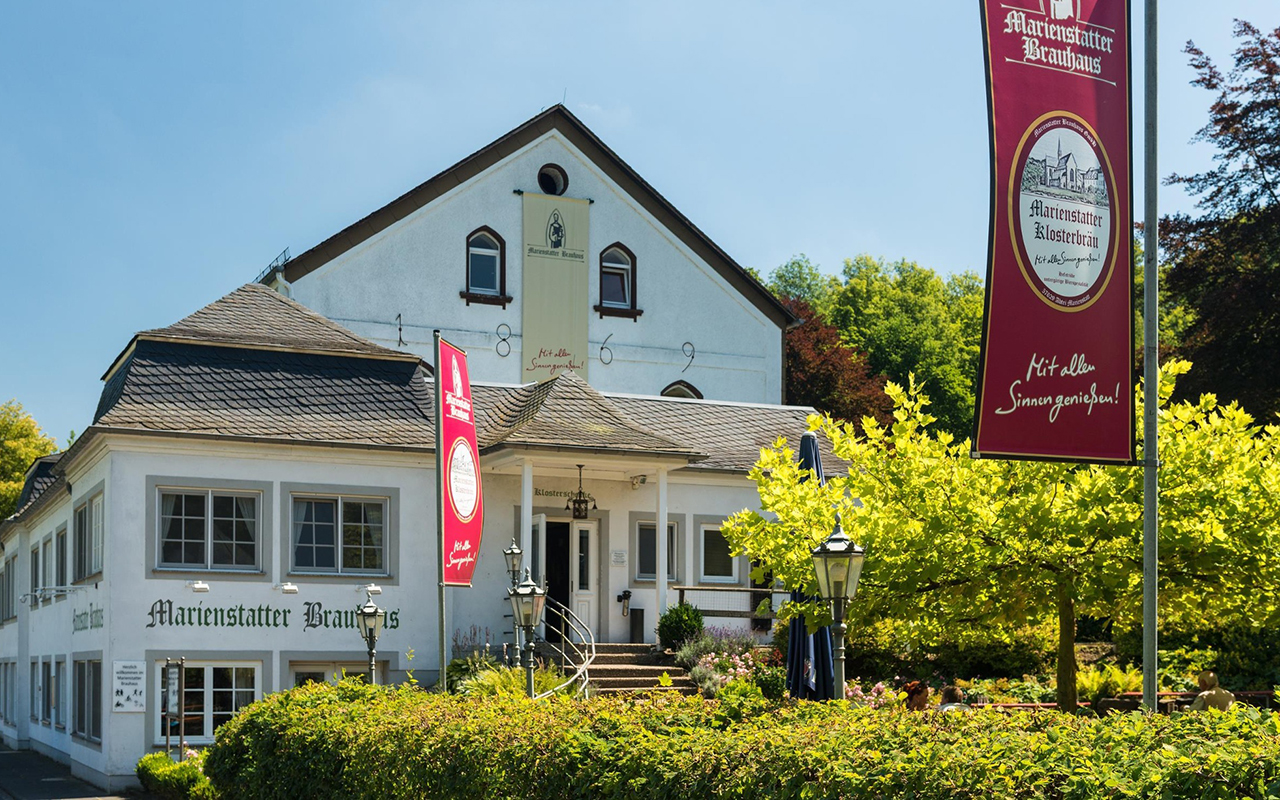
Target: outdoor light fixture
(625,599)
(369,588)
(287,588)
(370,619)
(527,602)
(579,502)
(198,586)
(513,555)
(838,563)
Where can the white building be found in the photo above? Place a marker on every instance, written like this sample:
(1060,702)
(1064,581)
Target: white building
(253,467)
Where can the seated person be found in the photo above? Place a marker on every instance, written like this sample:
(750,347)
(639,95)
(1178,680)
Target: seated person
(917,695)
(1211,694)
(953,700)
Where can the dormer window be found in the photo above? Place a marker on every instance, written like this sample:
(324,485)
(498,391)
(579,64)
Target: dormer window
(486,268)
(618,282)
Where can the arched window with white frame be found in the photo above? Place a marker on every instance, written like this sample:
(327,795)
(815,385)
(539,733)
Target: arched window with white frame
(618,282)
(486,268)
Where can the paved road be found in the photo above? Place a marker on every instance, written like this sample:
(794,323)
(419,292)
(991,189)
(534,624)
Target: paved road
(27,775)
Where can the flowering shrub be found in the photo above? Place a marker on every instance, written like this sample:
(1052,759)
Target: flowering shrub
(878,696)
(764,668)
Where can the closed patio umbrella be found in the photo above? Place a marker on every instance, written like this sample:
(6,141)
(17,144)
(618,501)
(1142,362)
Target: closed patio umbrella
(810,669)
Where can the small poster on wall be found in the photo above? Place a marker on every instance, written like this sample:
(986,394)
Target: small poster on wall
(128,685)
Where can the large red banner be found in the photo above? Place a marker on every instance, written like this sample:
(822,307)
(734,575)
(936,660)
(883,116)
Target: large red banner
(460,496)
(1056,372)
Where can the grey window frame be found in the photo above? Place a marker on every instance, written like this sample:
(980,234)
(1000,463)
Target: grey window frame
(210,493)
(90,730)
(673,550)
(390,499)
(703,576)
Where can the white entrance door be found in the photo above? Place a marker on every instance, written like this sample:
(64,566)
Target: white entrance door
(584,573)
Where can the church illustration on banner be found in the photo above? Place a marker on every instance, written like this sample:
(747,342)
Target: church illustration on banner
(1065,175)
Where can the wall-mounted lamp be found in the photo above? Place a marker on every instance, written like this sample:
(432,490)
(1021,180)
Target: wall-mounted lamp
(198,586)
(370,588)
(286,588)
(639,480)
(625,599)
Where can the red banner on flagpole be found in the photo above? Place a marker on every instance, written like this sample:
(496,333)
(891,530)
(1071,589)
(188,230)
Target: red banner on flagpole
(460,496)
(1056,371)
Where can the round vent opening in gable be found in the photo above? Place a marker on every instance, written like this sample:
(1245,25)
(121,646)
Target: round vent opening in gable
(552,179)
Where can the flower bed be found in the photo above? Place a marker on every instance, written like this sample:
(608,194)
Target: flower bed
(357,741)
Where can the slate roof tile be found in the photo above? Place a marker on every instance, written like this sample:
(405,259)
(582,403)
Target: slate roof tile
(256,315)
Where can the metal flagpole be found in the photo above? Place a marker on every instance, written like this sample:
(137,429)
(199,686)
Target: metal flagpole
(439,411)
(1150,374)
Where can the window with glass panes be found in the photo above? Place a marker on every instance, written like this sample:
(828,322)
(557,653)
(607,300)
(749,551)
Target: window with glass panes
(35,577)
(616,278)
(718,565)
(647,557)
(213,694)
(60,693)
(46,565)
(50,698)
(484,264)
(60,556)
(339,534)
(87,539)
(208,530)
(87,684)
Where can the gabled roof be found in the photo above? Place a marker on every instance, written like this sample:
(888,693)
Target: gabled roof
(257,317)
(730,433)
(565,412)
(560,119)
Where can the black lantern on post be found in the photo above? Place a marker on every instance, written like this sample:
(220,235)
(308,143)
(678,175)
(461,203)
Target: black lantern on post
(527,602)
(838,564)
(580,504)
(513,556)
(370,619)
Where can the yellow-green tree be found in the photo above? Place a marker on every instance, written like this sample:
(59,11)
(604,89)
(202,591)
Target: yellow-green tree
(21,442)
(954,542)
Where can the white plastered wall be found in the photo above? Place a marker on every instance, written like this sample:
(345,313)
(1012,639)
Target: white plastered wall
(416,268)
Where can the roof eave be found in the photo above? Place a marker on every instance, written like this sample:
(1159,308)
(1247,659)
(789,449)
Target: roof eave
(583,138)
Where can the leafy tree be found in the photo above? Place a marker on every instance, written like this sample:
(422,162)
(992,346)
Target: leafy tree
(824,372)
(801,280)
(954,542)
(21,442)
(908,320)
(1226,262)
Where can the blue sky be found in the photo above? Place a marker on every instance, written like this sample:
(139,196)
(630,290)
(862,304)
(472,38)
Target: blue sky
(155,155)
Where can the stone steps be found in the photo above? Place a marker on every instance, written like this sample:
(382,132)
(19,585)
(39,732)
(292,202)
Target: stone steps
(630,668)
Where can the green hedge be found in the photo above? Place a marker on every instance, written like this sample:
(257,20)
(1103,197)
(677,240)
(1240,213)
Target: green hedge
(356,741)
(163,777)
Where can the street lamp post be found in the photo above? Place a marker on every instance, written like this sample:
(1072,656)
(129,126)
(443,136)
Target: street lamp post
(370,618)
(838,563)
(527,602)
(513,555)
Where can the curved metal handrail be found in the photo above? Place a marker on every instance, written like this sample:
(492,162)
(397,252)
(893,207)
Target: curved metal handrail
(584,649)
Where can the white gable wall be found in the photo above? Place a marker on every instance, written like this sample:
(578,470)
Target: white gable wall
(417,267)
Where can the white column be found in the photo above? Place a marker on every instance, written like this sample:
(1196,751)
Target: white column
(526,510)
(660,530)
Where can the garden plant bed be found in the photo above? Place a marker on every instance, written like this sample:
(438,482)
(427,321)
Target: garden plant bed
(359,741)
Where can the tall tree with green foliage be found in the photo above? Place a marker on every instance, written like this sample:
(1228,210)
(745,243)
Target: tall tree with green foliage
(954,542)
(799,279)
(907,319)
(21,442)
(1226,262)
